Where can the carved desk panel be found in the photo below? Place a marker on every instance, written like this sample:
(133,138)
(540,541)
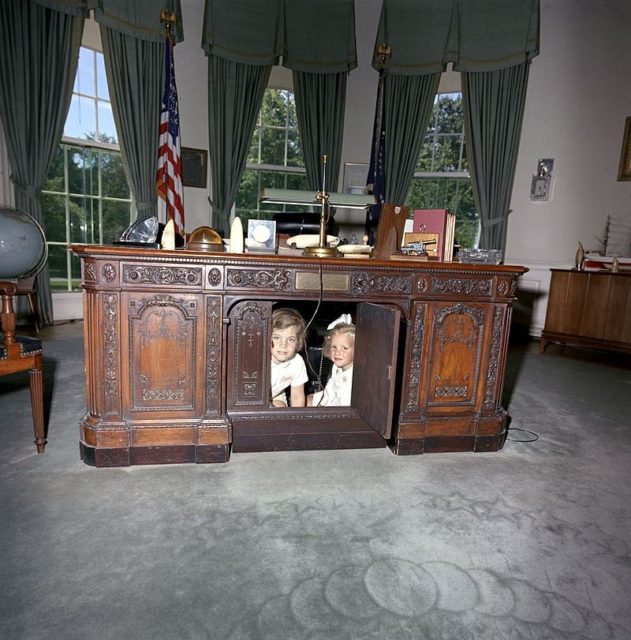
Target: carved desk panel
(177,354)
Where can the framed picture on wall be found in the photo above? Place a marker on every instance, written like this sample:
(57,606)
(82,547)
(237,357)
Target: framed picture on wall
(194,167)
(624,169)
(355,175)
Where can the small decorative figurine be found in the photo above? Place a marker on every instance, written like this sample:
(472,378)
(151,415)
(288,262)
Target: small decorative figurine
(579,260)
(615,265)
(168,235)
(236,236)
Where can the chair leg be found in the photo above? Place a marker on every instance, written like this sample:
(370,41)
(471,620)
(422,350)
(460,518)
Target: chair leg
(37,406)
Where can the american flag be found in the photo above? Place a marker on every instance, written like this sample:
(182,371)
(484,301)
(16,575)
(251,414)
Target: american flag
(169,176)
(375,179)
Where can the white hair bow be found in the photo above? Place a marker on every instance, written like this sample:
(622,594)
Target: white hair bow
(345,318)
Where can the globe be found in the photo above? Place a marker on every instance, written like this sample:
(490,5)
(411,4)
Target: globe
(23,249)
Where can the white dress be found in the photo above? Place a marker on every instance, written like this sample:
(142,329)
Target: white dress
(337,392)
(291,373)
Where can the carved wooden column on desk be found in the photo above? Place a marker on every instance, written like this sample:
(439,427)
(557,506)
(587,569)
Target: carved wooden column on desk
(153,364)
(455,356)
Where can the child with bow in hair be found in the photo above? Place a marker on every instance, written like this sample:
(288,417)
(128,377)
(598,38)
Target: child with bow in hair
(339,346)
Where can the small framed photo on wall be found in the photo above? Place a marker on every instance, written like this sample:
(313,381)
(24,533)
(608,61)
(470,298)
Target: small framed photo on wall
(624,169)
(194,167)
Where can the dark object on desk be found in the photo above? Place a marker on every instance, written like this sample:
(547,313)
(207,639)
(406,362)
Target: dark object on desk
(295,223)
(20,353)
(390,230)
(141,231)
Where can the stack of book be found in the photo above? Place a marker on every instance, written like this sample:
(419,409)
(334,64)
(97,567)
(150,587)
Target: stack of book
(437,227)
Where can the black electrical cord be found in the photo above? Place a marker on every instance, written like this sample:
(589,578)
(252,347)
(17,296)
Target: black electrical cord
(532,433)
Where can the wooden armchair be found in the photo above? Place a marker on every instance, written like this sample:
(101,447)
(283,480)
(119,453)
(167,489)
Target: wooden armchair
(19,353)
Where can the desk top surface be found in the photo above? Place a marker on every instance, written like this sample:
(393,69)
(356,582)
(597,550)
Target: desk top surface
(288,260)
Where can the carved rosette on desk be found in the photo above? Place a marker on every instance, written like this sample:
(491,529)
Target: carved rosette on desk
(178,363)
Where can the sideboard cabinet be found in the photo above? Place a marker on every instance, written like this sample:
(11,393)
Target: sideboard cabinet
(589,308)
(177,356)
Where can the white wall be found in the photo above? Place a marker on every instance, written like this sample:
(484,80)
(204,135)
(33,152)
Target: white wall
(579,95)
(578,98)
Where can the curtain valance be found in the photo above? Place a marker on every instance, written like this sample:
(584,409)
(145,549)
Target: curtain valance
(69,7)
(316,36)
(138,19)
(475,35)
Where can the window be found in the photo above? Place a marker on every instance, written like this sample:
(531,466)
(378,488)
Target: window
(275,157)
(86,197)
(441,179)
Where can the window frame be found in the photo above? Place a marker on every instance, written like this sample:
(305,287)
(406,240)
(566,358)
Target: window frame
(68,144)
(462,175)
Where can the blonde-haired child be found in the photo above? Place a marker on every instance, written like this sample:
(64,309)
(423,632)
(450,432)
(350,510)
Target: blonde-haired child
(339,346)
(288,367)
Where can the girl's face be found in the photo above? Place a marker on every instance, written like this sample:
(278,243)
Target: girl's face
(284,344)
(343,350)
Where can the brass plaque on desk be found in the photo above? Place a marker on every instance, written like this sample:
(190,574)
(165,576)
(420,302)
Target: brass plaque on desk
(310,281)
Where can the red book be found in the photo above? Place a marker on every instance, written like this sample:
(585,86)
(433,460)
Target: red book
(433,221)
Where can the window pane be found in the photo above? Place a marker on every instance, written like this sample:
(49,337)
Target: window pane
(274,108)
(75,273)
(113,181)
(81,175)
(275,142)
(57,267)
(84,80)
(54,212)
(107,129)
(103,92)
(116,218)
(447,156)
(83,214)
(249,190)
(449,113)
(81,121)
(82,171)
(273,146)
(294,150)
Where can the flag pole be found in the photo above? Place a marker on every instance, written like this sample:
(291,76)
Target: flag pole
(169,172)
(168,19)
(375,181)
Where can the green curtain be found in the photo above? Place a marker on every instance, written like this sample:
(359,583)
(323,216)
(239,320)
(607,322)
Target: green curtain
(133,49)
(315,36)
(493,108)
(39,52)
(491,44)
(235,96)
(135,71)
(475,35)
(138,19)
(407,108)
(320,103)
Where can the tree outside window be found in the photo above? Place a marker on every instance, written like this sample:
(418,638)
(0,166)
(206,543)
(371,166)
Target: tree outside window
(275,157)
(441,179)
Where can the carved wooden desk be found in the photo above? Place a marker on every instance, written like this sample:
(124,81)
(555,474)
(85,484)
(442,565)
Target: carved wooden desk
(177,354)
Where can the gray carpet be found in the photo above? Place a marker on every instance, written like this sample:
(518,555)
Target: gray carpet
(532,542)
